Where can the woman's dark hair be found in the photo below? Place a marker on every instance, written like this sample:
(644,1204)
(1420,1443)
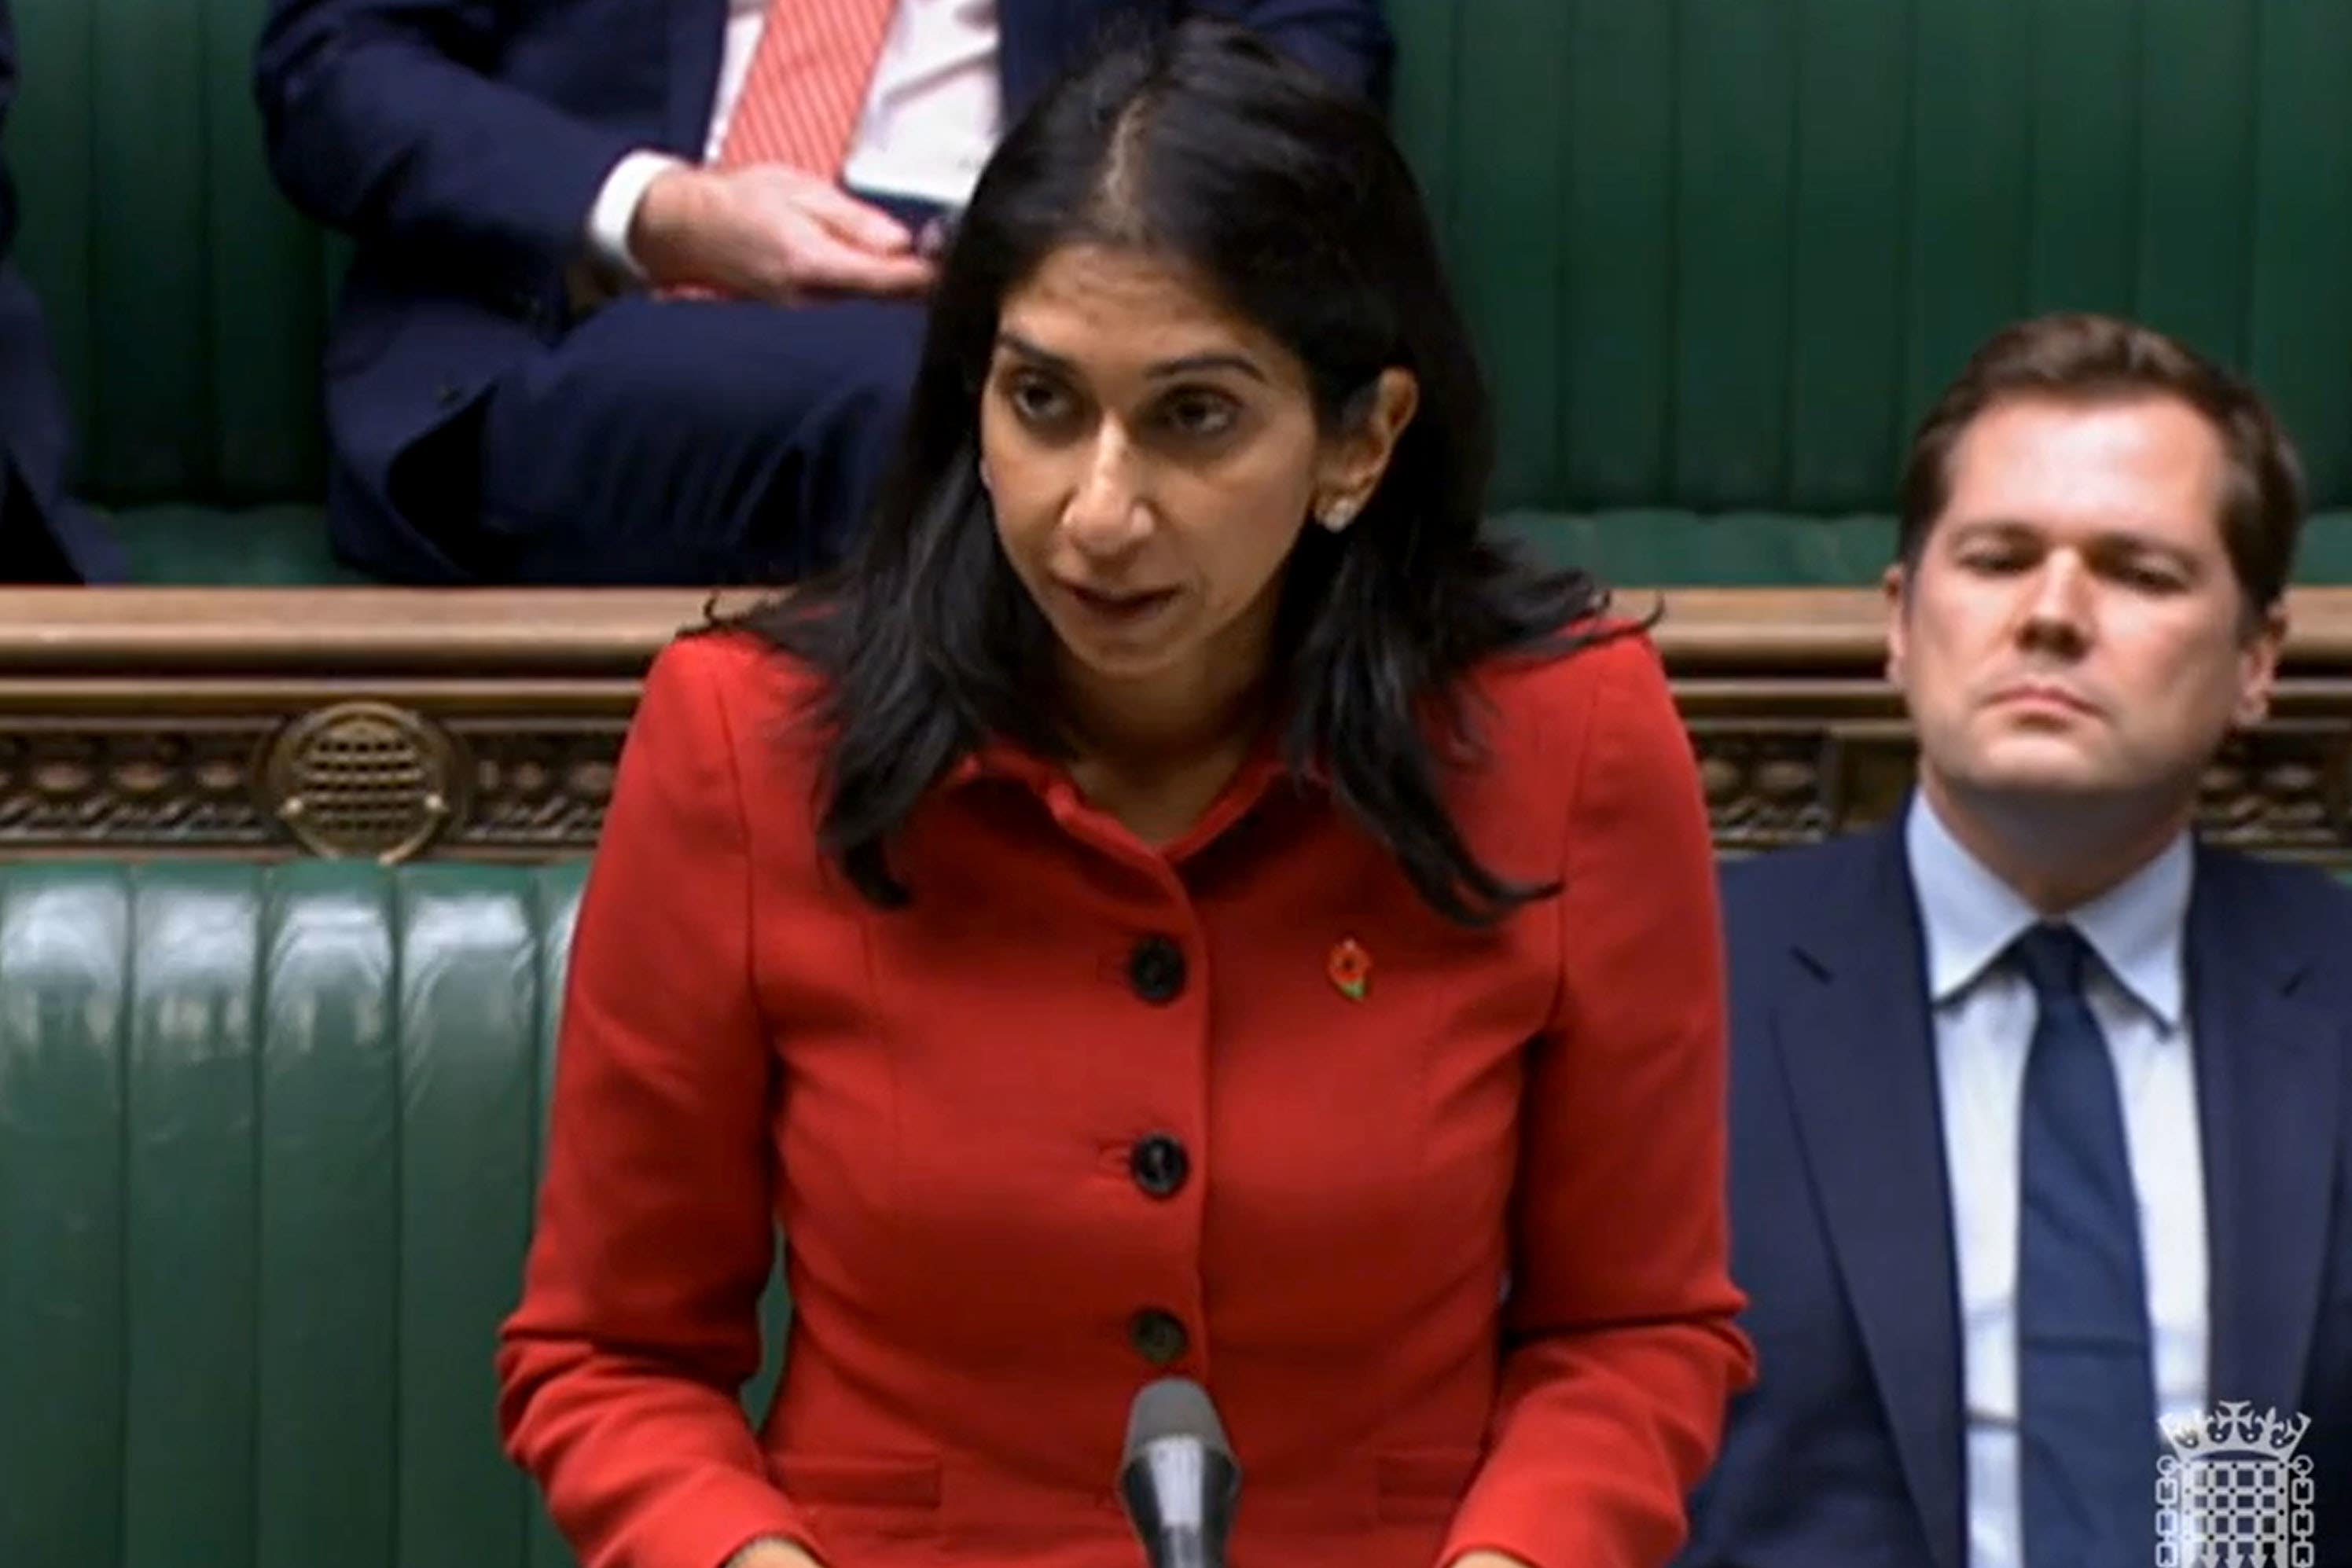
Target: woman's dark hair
(1197,145)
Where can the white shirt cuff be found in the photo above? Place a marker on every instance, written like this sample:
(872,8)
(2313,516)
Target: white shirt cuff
(616,208)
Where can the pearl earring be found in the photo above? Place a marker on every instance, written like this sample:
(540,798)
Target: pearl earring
(1338,515)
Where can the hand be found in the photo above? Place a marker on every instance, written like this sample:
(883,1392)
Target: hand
(772,1554)
(766,231)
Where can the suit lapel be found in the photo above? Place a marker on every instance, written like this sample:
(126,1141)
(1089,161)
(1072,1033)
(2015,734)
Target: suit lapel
(2268,1117)
(696,29)
(1855,1040)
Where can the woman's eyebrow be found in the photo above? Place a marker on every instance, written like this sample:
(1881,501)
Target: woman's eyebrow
(1188,364)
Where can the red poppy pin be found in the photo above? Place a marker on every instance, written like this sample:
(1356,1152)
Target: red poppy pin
(1351,969)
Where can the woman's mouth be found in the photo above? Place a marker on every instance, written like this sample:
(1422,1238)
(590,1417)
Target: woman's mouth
(1117,608)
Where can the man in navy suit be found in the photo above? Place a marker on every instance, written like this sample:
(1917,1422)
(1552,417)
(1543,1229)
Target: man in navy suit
(514,389)
(2042,1116)
(42,538)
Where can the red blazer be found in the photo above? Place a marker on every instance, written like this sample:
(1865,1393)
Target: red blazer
(1449,1254)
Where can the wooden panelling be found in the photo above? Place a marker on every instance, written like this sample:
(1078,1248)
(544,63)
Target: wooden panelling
(485,724)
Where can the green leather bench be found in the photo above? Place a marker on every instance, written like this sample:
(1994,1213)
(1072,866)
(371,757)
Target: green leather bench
(1719,253)
(268,1142)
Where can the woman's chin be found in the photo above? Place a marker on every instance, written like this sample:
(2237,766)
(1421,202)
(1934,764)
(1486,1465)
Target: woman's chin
(1140,652)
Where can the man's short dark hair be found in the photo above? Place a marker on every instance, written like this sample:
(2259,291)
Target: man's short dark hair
(2083,358)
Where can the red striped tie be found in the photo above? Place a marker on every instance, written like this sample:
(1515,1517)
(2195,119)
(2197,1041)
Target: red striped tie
(806,84)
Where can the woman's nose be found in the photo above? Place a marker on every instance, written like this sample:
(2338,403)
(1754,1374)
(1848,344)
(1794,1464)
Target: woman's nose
(1107,513)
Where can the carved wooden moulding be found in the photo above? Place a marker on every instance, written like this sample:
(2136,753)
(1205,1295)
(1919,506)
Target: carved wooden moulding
(359,779)
(374,780)
(2285,791)
(394,724)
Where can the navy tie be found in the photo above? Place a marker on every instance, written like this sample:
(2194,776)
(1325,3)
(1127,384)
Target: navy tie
(2087,1439)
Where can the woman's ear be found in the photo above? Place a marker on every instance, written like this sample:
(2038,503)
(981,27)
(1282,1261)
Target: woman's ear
(1357,455)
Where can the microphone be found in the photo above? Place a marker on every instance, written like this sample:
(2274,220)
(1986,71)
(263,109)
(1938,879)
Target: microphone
(1178,1476)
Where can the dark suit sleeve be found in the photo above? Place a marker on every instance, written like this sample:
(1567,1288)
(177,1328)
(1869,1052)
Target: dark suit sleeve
(1345,39)
(379,121)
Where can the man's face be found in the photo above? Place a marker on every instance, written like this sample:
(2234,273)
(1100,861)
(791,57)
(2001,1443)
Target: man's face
(2072,627)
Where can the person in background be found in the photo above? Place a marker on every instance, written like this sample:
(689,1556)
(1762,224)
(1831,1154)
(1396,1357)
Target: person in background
(2042,1110)
(1182,902)
(636,293)
(44,537)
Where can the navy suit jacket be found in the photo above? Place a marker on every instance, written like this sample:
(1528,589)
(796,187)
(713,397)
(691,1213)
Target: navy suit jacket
(33,435)
(1848,1453)
(463,142)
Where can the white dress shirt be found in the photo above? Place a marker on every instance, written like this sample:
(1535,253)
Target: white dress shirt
(1984,1017)
(933,113)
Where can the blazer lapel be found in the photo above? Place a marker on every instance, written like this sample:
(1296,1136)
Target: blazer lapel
(2268,1116)
(696,30)
(1855,1040)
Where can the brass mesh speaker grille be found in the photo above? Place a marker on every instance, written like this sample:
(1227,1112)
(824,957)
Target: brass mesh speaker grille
(364,779)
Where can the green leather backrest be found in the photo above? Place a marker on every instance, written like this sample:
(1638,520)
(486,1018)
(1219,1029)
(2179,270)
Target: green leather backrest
(188,302)
(267,1144)
(1723,251)
(1719,252)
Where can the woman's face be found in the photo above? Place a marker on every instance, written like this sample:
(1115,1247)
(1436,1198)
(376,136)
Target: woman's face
(1150,458)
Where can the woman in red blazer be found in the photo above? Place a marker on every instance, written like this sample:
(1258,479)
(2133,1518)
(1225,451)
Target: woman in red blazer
(1184,902)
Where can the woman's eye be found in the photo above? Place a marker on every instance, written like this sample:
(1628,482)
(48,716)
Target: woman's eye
(1201,415)
(1036,400)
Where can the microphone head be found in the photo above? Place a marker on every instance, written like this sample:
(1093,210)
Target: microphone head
(1174,1407)
(1179,1479)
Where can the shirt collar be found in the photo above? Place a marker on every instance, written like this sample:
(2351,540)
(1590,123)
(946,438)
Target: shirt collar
(1969,916)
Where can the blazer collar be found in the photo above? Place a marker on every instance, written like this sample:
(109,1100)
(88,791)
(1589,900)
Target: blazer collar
(1000,760)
